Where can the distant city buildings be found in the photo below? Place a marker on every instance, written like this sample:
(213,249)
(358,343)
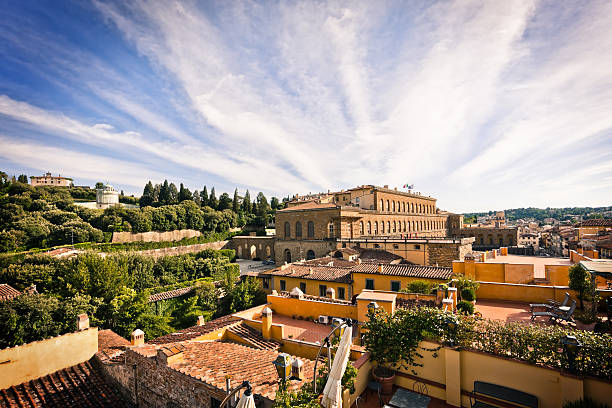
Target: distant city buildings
(48,180)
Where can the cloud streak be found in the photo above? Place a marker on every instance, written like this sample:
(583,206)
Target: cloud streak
(479,104)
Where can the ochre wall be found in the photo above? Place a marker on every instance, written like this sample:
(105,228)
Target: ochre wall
(450,379)
(39,358)
(557,275)
(518,273)
(521,293)
(309,308)
(312,286)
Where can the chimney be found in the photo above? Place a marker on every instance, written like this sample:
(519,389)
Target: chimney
(358,261)
(137,338)
(201,320)
(170,354)
(381,268)
(386,186)
(82,322)
(297,369)
(266,323)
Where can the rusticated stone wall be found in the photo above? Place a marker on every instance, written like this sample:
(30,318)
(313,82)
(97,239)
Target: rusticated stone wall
(154,236)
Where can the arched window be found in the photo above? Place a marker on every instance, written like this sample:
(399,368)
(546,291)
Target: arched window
(411,207)
(287,255)
(405,226)
(394,206)
(404,206)
(388,206)
(382,205)
(330,229)
(409,227)
(287,230)
(394,227)
(388,227)
(382,227)
(360,227)
(298,229)
(375,227)
(310,255)
(369,228)
(310,227)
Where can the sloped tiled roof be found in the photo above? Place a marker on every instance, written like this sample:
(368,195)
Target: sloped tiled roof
(81,385)
(7,292)
(156,297)
(110,345)
(377,256)
(415,271)
(197,331)
(329,261)
(322,273)
(607,222)
(310,205)
(210,362)
(253,337)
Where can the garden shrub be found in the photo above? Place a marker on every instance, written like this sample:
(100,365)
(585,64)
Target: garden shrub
(468,294)
(419,286)
(465,307)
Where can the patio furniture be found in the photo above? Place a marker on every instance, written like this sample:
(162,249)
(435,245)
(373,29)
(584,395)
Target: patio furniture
(375,386)
(485,394)
(408,399)
(557,314)
(551,303)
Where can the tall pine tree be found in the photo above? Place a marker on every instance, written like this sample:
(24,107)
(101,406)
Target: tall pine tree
(196,197)
(236,202)
(164,193)
(147,195)
(212,200)
(246,203)
(204,197)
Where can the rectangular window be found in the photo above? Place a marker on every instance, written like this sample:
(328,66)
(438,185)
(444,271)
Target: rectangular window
(322,290)
(395,246)
(283,285)
(266,283)
(395,286)
(417,247)
(303,287)
(341,293)
(370,284)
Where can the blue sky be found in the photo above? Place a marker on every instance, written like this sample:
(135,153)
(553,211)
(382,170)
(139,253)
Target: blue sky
(484,105)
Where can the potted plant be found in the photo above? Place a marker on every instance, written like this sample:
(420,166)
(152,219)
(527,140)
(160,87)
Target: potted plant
(468,295)
(385,377)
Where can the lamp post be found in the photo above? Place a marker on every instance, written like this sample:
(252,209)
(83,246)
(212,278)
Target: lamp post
(571,347)
(283,366)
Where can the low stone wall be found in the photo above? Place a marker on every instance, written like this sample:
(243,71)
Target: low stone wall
(181,250)
(154,236)
(39,358)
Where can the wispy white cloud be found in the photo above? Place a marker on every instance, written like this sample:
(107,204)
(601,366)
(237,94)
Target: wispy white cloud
(478,103)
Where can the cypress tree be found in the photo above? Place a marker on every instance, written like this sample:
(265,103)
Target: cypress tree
(236,202)
(212,199)
(204,197)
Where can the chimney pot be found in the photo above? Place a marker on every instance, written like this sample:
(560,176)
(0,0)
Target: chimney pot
(82,322)
(137,338)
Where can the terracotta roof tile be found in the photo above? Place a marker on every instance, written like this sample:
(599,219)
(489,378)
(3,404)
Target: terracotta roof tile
(156,297)
(310,205)
(607,222)
(110,346)
(329,261)
(416,271)
(378,256)
(77,386)
(7,292)
(254,337)
(210,362)
(322,273)
(197,331)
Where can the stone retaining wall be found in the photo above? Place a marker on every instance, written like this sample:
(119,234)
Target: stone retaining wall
(154,236)
(181,250)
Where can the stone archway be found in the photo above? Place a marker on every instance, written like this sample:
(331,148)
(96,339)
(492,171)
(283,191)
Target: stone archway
(310,254)
(240,252)
(253,251)
(287,255)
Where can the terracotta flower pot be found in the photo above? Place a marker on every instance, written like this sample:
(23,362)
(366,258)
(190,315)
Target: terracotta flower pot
(385,381)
